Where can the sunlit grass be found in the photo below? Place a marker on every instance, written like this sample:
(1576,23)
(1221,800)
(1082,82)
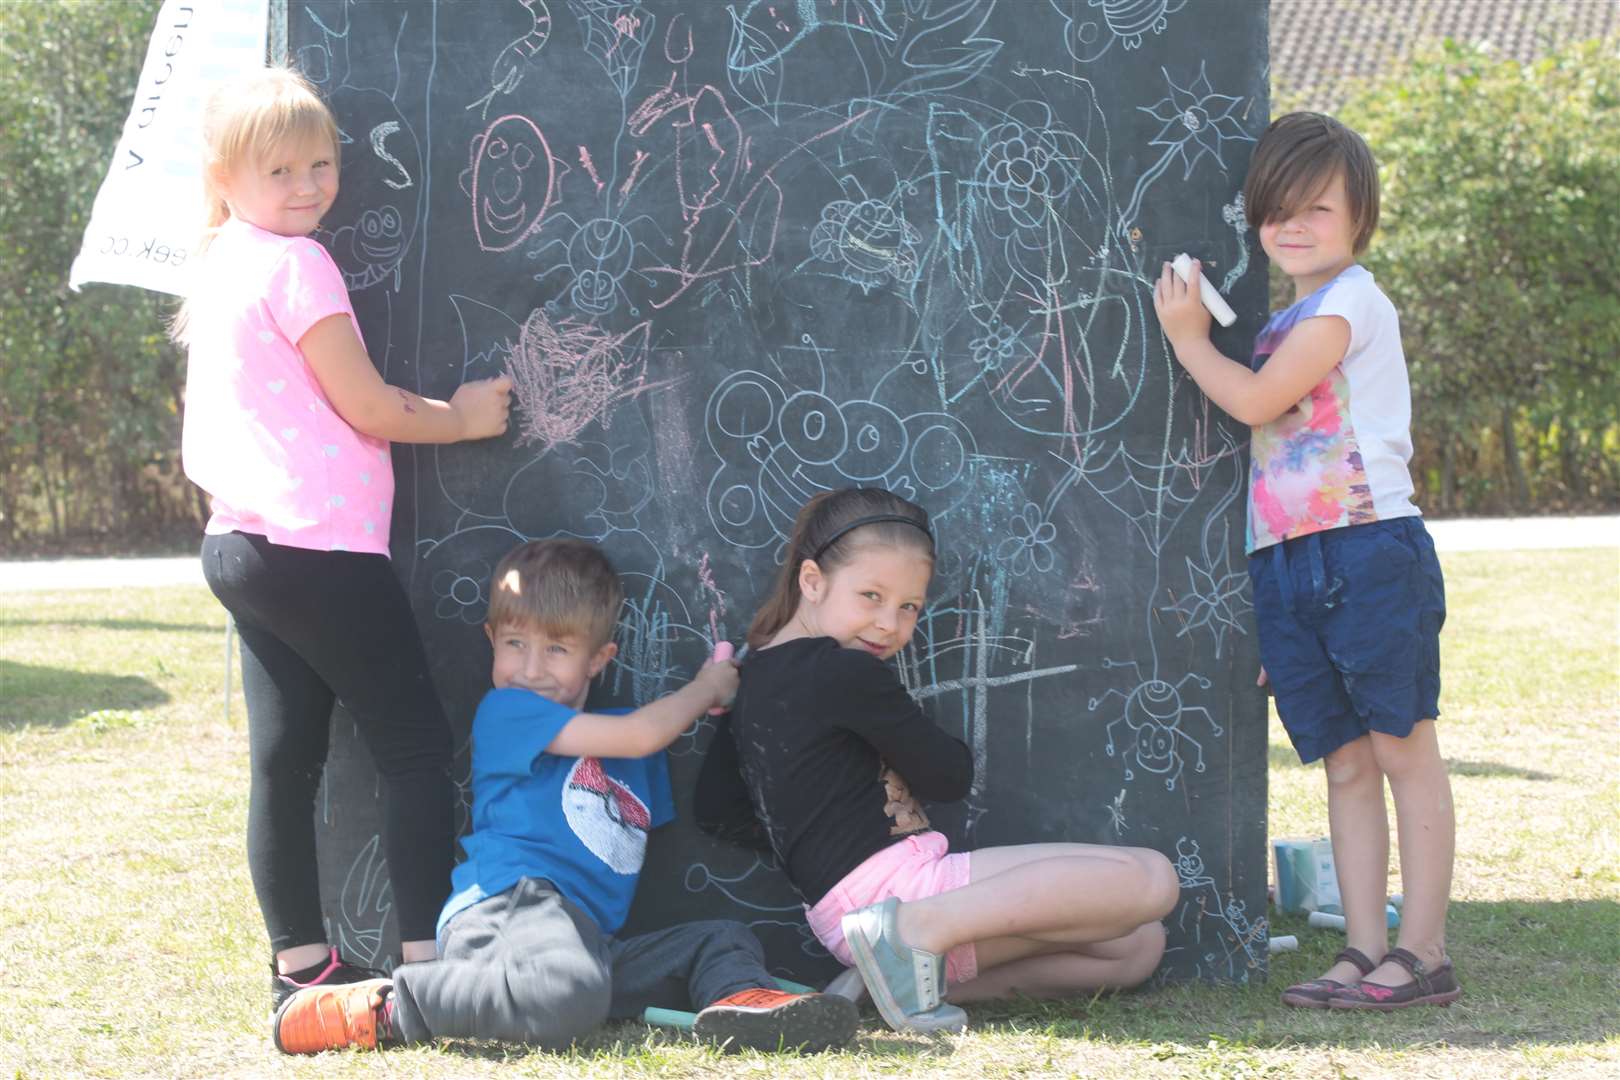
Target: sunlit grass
(130,943)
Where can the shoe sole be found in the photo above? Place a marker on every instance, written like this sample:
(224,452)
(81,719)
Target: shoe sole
(1443,999)
(808,1025)
(1299,1001)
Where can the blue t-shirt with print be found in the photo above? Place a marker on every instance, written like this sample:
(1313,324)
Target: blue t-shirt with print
(580,823)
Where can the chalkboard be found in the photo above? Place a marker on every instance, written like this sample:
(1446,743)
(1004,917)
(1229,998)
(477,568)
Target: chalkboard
(734,254)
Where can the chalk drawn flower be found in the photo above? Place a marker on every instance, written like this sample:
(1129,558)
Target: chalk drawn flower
(1197,121)
(1030,545)
(458,596)
(1020,174)
(997,345)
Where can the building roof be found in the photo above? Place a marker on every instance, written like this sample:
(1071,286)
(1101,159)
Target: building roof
(1319,48)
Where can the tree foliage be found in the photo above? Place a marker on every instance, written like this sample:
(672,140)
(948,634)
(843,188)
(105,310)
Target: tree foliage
(89,387)
(1500,244)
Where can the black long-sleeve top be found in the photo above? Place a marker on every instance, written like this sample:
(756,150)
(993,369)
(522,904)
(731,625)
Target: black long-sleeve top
(810,733)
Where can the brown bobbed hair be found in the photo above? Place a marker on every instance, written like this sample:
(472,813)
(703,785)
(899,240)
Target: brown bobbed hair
(822,532)
(561,587)
(1298,156)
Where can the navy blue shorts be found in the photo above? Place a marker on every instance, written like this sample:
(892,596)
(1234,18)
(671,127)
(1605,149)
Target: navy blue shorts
(1349,625)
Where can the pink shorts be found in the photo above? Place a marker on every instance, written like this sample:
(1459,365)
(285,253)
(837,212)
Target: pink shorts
(910,869)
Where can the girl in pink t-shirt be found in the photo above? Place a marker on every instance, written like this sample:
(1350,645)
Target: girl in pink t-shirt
(287,426)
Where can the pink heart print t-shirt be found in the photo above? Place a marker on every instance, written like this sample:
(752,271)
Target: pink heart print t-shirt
(260,435)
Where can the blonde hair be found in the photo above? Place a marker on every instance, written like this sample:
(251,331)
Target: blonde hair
(561,587)
(243,120)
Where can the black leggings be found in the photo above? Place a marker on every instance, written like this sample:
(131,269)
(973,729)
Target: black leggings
(320,626)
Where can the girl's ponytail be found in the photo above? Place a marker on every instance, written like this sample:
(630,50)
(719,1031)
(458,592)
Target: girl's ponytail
(828,530)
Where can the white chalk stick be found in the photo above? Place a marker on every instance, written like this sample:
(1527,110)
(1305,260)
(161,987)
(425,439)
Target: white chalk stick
(1324,920)
(1211,296)
(1285,943)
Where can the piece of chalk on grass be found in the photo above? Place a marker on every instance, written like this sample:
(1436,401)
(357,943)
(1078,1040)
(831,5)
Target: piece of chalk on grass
(1325,920)
(1182,265)
(1396,901)
(1285,943)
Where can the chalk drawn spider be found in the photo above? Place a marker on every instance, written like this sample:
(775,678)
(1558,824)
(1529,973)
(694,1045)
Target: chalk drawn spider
(597,257)
(1153,712)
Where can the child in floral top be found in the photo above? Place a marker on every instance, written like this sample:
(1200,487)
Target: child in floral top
(1347,590)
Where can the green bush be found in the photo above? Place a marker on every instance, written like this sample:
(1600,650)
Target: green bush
(1500,245)
(90,388)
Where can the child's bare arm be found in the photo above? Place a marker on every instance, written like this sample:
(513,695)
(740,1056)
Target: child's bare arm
(651,727)
(1311,350)
(477,410)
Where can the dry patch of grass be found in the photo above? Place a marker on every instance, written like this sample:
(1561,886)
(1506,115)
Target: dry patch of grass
(130,944)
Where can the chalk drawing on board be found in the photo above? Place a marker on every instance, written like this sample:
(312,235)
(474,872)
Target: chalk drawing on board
(515,59)
(1152,712)
(1091,27)
(700,877)
(510,181)
(1232,944)
(364,902)
(379,148)
(1198,123)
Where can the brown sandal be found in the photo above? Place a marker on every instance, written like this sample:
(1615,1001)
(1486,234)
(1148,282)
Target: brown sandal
(1315,993)
(1428,987)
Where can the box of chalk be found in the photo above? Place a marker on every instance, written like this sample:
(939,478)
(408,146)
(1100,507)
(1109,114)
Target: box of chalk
(1305,877)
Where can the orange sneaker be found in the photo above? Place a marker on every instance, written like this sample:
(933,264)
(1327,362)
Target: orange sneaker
(332,1017)
(763,1019)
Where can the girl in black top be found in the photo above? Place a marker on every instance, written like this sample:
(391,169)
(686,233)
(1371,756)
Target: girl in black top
(819,718)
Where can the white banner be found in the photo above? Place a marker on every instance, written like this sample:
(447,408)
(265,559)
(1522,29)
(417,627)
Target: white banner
(148,213)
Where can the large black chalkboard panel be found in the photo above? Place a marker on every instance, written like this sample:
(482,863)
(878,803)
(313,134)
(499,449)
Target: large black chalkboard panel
(734,254)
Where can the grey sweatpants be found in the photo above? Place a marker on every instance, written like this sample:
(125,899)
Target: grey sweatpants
(529,966)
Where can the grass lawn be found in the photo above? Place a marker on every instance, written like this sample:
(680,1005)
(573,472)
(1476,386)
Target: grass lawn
(130,944)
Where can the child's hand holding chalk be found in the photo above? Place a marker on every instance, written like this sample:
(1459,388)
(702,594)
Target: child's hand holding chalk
(1185,268)
(1181,304)
(722,652)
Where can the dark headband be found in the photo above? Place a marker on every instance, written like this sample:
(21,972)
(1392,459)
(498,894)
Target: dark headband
(872,519)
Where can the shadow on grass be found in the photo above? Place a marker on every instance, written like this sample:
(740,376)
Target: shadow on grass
(1531,972)
(1496,768)
(55,697)
(119,624)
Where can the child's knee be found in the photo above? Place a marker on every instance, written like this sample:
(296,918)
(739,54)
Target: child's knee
(1160,886)
(1398,757)
(1351,764)
(1147,950)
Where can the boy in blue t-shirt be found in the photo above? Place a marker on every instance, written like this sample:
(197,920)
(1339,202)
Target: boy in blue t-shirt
(563,801)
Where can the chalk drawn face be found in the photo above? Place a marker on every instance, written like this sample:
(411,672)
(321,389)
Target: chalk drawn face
(378,238)
(870,602)
(1315,243)
(512,177)
(606,816)
(558,668)
(286,190)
